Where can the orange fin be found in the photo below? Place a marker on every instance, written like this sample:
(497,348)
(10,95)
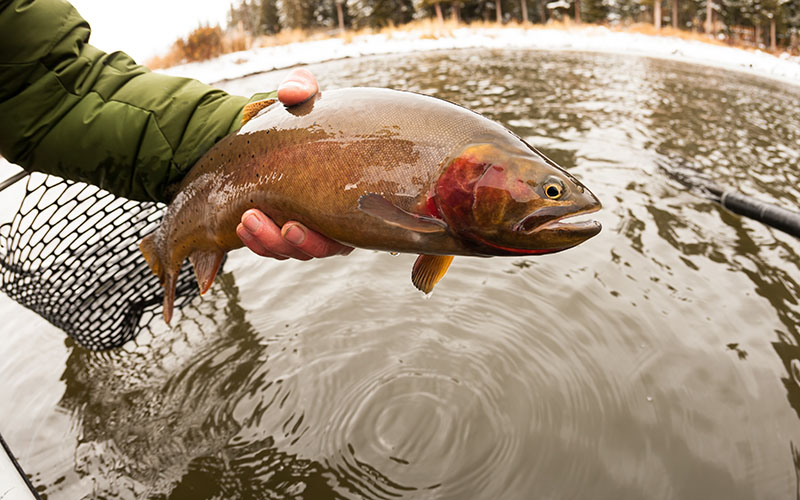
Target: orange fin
(378,206)
(251,110)
(428,270)
(206,264)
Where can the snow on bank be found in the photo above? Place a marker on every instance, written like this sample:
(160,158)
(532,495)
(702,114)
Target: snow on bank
(589,39)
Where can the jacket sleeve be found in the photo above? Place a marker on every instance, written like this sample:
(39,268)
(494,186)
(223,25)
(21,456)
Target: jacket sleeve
(69,109)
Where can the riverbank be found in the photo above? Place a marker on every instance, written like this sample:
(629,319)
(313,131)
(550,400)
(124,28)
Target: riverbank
(588,38)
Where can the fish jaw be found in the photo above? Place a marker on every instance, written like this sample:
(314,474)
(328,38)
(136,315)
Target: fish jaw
(552,227)
(566,234)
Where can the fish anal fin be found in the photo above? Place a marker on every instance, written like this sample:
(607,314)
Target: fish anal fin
(206,264)
(428,270)
(251,110)
(381,208)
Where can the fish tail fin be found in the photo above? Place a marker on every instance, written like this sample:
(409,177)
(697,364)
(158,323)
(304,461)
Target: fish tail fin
(167,277)
(149,249)
(170,280)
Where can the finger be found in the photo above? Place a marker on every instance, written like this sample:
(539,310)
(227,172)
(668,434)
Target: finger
(268,235)
(312,243)
(252,243)
(298,86)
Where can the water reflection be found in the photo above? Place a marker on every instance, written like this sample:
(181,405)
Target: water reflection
(158,419)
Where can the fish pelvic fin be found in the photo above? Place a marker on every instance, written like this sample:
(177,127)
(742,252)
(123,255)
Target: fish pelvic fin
(429,270)
(206,264)
(251,110)
(377,206)
(167,277)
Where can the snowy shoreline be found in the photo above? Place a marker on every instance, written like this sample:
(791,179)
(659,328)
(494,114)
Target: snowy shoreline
(583,39)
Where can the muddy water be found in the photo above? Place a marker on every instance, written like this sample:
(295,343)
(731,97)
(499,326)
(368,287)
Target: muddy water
(658,360)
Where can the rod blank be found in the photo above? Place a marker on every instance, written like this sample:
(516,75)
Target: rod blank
(780,218)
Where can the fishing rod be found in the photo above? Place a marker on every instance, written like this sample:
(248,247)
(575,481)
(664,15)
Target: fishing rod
(772,215)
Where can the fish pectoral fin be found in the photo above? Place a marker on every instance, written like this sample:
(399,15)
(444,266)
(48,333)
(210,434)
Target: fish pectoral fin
(251,110)
(206,264)
(378,206)
(428,270)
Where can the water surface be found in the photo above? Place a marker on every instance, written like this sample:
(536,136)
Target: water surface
(657,360)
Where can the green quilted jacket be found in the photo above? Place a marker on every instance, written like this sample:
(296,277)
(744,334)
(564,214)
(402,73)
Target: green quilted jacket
(69,109)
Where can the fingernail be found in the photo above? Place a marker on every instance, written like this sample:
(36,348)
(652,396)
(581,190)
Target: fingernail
(291,84)
(251,223)
(295,235)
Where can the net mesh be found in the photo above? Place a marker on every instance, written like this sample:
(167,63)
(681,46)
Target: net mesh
(71,254)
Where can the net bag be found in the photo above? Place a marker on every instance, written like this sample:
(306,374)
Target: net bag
(71,254)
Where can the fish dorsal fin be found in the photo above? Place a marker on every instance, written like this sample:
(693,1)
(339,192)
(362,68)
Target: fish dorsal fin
(206,264)
(428,270)
(252,109)
(378,206)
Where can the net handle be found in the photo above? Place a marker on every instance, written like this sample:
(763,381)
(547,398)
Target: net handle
(14,179)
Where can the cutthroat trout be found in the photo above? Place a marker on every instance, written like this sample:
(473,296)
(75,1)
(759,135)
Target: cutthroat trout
(378,169)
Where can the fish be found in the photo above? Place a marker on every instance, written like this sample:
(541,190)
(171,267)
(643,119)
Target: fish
(378,169)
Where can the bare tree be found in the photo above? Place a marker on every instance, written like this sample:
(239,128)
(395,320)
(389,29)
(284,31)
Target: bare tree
(773,45)
(340,14)
(657,14)
(499,11)
(524,7)
(578,11)
(675,14)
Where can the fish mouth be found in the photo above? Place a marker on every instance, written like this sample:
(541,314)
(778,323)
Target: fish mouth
(562,226)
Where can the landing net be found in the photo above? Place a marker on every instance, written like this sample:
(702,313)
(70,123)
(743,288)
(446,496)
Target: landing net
(71,254)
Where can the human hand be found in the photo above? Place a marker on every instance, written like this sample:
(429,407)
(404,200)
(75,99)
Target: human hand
(257,231)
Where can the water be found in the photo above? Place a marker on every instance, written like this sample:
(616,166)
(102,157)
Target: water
(661,359)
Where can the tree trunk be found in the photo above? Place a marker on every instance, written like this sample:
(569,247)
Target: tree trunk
(499,12)
(675,14)
(439,16)
(657,14)
(524,6)
(757,40)
(542,13)
(341,16)
(454,14)
(773,45)
(709,17)
(578,11)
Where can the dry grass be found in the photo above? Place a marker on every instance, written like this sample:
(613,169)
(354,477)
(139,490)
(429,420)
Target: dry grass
(649,29)
(205,42)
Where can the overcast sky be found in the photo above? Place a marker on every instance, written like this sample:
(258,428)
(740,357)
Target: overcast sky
(144,28)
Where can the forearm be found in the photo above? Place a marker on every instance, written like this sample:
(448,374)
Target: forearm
(69,109)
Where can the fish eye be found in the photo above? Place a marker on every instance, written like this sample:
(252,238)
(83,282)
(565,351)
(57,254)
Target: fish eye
(553,190)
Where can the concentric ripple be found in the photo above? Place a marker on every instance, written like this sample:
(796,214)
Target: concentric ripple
(411,430)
